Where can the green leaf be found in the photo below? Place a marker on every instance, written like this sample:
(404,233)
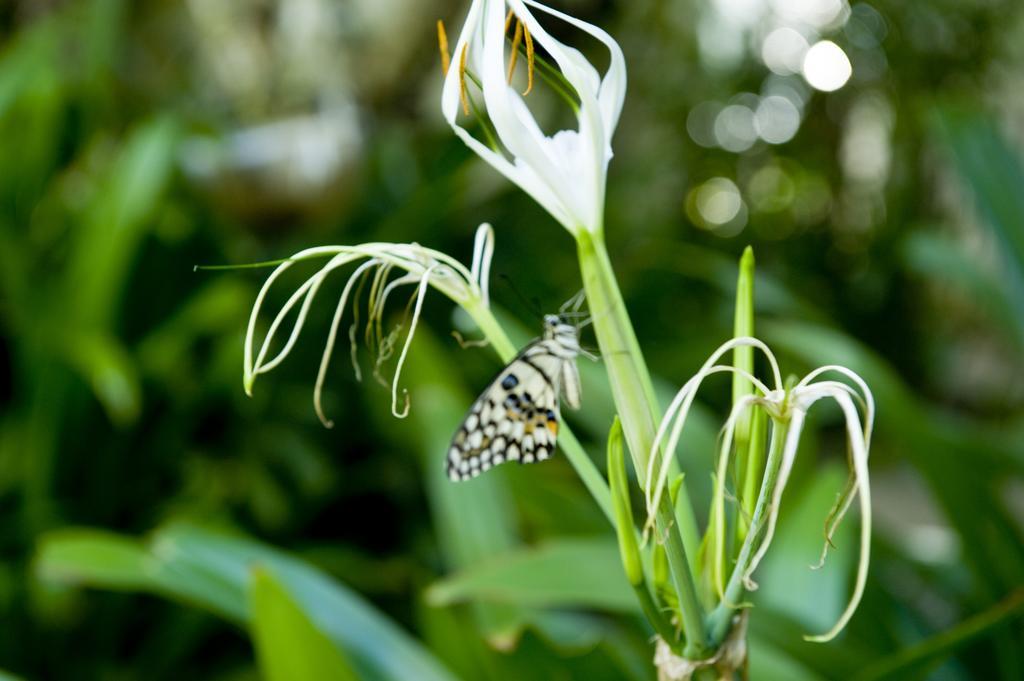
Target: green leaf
(624,527)
(118,218)
(945,260)
(768,663)
(472,521)
(94,557)
(993,171)
(288,646)
(212,569)
(110,371)
(566,573)
(916,661)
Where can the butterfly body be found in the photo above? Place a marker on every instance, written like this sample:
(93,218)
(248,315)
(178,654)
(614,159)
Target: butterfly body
(517,417)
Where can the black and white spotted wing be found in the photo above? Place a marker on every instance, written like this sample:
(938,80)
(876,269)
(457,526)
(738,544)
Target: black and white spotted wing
(517,417)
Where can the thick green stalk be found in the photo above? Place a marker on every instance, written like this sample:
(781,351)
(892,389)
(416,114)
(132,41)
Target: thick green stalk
(584,466)
(637,408)
(630,380)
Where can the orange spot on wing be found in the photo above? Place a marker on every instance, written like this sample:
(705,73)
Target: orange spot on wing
(553,427)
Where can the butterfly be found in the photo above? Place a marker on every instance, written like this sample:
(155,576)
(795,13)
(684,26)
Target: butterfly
(517,417)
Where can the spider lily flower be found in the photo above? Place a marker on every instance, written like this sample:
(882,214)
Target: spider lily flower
(416,266)
(564,172)
(787,408)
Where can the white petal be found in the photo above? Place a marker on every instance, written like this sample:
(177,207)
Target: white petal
(584,190)
(859,450)
(613,85)
(516,127)
(520,174)
(679,409)
(450,98)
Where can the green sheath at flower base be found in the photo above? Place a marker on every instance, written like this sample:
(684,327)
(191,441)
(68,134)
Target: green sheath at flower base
(743,325)
(628,547)
(743,359)
(623,511)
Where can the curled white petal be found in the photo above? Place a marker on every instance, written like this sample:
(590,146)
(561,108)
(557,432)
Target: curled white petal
(422,266)
(859,448)
(796,424)
(718,498)
(679,409)
(483,253)
(420,294)
(332,334)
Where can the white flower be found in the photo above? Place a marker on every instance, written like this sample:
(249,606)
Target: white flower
(565,172)
(418,265)
(787,409)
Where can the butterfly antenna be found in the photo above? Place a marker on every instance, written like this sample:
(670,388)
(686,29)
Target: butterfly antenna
(573,305)
(531,305)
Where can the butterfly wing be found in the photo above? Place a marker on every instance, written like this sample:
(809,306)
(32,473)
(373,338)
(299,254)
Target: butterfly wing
(515,419)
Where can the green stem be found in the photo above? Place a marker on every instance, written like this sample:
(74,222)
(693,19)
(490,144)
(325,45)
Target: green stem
(752,472)
(637,408)
(655,616)
(574,452)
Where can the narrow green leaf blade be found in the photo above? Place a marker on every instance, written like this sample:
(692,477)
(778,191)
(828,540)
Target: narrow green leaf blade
(584,573)
(96,558)
(212,569)
(288,646)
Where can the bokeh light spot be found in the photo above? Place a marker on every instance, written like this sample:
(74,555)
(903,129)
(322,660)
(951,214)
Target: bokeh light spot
(783,51)
(700,123)
(771,189)
(826,66)
(777,119)
(716,205)
(734,128)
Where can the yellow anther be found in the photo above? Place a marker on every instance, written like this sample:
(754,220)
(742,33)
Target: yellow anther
(521,35)
(529,61)
(462,79)
(516,40)
(442,43)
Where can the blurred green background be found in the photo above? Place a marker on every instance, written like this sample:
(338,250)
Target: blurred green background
(138,139)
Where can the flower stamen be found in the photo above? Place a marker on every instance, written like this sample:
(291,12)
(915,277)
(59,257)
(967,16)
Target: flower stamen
(463,97)
(517,39)
(520,37)
(529,60)
(442,44)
